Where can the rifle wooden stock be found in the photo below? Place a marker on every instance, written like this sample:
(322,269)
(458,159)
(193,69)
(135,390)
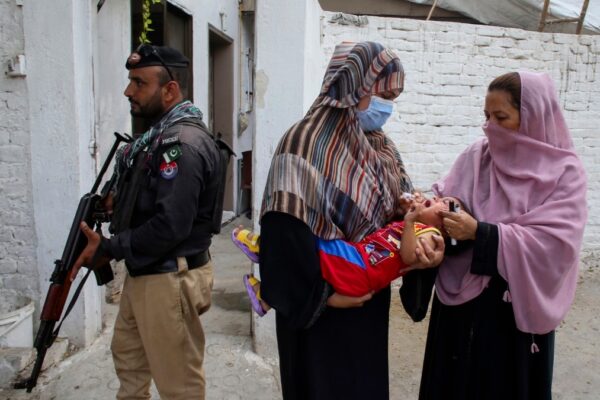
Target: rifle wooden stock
(52,306)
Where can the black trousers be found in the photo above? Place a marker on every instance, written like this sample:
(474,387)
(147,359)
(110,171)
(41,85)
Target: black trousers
(474,351)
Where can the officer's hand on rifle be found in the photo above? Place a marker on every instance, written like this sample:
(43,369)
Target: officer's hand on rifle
(88,257)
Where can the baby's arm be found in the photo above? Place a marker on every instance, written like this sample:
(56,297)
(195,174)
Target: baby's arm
(409,256)
(408,242)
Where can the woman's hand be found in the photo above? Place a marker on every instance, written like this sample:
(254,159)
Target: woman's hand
(429,256)
(340,301)
(403,205)
(459,225)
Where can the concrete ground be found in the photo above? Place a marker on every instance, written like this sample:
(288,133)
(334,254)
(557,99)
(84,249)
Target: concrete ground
(234,371)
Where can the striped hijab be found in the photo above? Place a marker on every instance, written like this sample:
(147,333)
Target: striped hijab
(342,182)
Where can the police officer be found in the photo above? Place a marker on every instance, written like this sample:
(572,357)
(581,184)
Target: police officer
(162,212)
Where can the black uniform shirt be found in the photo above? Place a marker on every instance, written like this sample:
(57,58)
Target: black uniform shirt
(174,205)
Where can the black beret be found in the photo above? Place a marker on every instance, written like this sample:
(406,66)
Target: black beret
(148,55)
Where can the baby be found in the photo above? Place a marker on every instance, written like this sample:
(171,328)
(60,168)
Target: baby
(358,268)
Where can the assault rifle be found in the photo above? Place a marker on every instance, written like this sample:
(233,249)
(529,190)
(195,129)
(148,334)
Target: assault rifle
(89,210)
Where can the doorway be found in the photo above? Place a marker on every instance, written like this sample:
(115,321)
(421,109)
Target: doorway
(221,98)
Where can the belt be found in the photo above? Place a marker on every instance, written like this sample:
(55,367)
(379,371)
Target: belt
(193,261)
(197,260)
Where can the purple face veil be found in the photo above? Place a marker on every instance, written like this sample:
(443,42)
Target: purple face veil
(533,186)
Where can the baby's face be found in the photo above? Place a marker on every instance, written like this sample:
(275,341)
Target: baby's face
(430,215)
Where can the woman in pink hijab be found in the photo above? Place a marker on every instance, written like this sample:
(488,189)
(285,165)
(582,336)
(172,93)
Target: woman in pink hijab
(504,288)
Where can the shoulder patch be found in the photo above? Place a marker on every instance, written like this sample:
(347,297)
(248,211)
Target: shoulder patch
(168,170)
(169,140)
(172,153)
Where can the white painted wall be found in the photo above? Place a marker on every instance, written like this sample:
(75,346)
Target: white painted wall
(313,54)
(285,51)
(112,46)
(448,67)
(44,141)
(111,33)
(206,12)
(58,46)
(246,94)
(18,269)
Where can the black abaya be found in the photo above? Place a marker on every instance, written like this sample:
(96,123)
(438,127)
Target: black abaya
(474,350)
(324,352)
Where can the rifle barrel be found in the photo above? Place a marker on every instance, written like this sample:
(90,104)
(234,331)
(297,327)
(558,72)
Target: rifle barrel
(119,138)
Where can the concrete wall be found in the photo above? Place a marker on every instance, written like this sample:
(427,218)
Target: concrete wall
(18,269)
(247,96)
(112,45)
(286,51)
(59,50)
(391,8)
(206,12)
(45,131)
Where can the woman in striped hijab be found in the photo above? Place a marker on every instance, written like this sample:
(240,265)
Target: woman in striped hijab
(334,175)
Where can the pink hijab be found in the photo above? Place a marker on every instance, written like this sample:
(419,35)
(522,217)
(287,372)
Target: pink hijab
(533,186)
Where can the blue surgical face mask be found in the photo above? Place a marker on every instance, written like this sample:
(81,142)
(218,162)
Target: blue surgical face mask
(374,117)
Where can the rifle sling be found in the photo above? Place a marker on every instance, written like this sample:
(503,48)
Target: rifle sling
(71,303)
(80,286)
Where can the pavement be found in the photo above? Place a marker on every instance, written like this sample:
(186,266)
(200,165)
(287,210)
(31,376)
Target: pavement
(234,371)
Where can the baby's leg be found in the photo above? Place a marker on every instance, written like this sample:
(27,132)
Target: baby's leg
(247,241)
(253,289)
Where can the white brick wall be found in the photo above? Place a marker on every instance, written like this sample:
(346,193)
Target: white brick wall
(18,269)
(448,67)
